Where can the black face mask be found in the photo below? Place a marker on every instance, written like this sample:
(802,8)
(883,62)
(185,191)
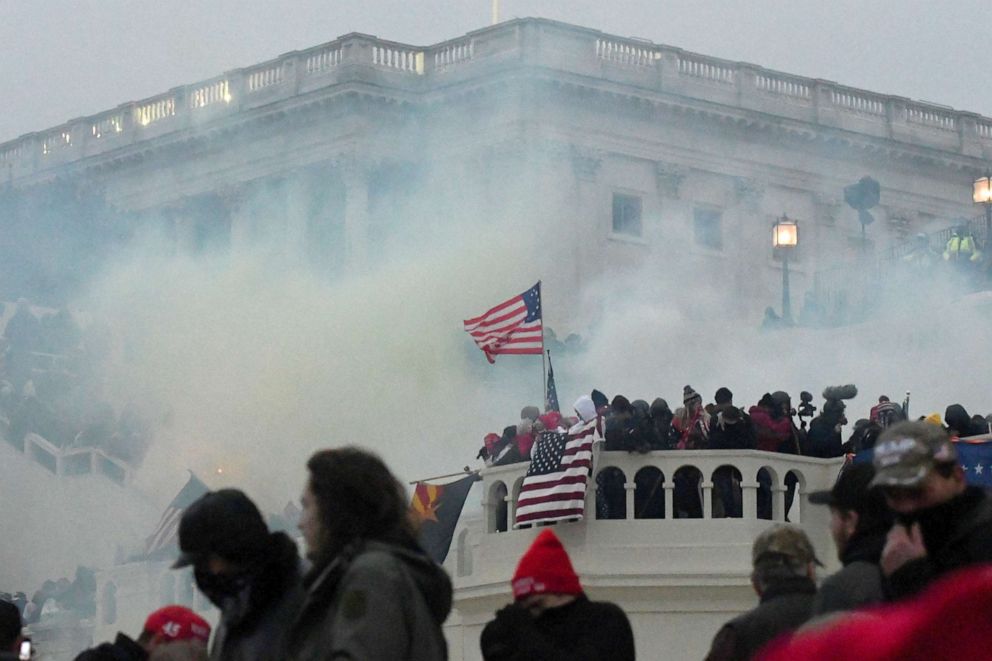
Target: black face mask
(219,588)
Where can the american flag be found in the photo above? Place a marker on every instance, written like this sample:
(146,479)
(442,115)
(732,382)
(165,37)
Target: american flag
(512,327)
(554,488)
(166,535)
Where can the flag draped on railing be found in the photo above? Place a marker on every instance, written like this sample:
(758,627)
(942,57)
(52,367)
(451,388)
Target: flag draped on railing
(554,488)
(437,508)
(512,327)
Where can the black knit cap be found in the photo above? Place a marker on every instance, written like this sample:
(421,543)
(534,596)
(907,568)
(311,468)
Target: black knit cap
(225,522)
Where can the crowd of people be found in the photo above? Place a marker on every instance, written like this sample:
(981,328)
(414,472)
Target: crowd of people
(51,384)
(773,424)
(57,599)
(901,523)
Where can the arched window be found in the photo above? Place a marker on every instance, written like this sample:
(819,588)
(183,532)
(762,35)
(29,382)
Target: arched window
(727,495)
(498,508)
(611,498)
(688,496)
(767,478)
(649,496)
(463,565)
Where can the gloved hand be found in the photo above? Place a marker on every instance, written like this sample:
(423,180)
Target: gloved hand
(501,637)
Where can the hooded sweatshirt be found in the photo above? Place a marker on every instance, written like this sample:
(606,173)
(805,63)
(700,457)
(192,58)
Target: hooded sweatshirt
(377,602)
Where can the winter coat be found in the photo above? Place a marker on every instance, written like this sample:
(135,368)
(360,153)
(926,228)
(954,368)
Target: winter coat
(957,418)
(254,624)
(773,434)
(956,534)
(580,631)
(823,438)
(122,649)
(859,583)
(785,606)
(736,436)
(373,602)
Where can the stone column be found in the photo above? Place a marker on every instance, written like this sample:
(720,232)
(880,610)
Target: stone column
(630,488)
(354,175)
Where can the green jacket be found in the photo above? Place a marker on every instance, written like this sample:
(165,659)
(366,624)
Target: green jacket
(373,602)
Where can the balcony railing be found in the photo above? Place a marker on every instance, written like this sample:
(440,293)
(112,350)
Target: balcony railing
(760,481)
(75,461)
(560,47)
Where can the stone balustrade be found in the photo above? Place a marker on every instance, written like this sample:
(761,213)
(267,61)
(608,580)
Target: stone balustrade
(655,70)
(502,484)
(76,461)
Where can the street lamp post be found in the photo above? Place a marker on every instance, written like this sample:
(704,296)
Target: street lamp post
(785,238)
(983,195)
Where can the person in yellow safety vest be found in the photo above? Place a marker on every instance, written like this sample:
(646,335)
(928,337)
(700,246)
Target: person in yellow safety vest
(962,246)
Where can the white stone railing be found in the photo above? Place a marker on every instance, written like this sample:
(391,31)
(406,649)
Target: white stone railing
(858,102)
(626,52)
(502,483)
(265,77)
(931,117)
(570,50)
(107,126)
(706,68)
(323,59)
(399,58)
(75,461)
(783,86)
(456,52)
(56,141)
(207,94)
(155,110)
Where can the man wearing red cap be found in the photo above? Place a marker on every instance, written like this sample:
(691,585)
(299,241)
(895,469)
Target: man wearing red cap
(166,626)
(551,618)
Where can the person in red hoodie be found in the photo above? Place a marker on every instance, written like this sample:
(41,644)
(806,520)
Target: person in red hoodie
(947,621)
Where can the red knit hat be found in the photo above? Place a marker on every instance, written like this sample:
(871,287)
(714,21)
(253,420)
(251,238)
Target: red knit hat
(545,568)
(178,623)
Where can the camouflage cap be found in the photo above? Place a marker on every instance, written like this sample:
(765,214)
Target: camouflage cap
(906,453)
(783,542)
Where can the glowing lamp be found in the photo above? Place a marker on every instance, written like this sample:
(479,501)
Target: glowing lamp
(982,192)
(785,233)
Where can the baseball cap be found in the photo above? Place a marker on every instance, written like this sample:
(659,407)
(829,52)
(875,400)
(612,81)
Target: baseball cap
(225,522)
(783,541)
(178,623)
(906,453)
(852,490)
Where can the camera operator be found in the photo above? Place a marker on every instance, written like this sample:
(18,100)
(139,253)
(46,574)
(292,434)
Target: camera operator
(806,408)
(824,438)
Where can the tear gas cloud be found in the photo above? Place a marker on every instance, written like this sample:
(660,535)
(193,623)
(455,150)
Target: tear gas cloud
(258,358)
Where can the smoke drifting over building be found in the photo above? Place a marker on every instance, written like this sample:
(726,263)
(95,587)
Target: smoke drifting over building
(306,235)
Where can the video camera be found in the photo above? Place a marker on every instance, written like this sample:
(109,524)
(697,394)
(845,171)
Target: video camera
(806,408)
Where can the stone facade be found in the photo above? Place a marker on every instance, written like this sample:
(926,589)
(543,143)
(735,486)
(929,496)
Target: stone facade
(621,149)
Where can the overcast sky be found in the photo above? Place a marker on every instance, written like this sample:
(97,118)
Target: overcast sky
(61,59)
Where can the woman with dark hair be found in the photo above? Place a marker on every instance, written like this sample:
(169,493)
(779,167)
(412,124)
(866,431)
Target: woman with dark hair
(372,592)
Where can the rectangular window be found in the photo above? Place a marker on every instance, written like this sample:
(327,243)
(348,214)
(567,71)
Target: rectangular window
(626,214)
(708,228)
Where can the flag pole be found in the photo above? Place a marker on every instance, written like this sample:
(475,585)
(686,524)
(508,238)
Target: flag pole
(495,12)
(464,471)
(544,367)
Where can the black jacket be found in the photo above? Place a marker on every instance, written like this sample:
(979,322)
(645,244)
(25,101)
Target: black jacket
(859,583)
(580,631)
(254,625)
(373,602)
(122,649)
(785,606)
(956,533)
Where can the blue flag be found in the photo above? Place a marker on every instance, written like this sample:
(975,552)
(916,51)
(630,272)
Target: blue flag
(975,458)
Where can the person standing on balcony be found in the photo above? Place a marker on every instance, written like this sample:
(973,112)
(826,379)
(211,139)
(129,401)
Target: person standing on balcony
(783,576)
(859,522)
(551,618)
(942,524)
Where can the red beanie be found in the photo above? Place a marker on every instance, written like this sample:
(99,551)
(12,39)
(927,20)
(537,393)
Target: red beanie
(545,568)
